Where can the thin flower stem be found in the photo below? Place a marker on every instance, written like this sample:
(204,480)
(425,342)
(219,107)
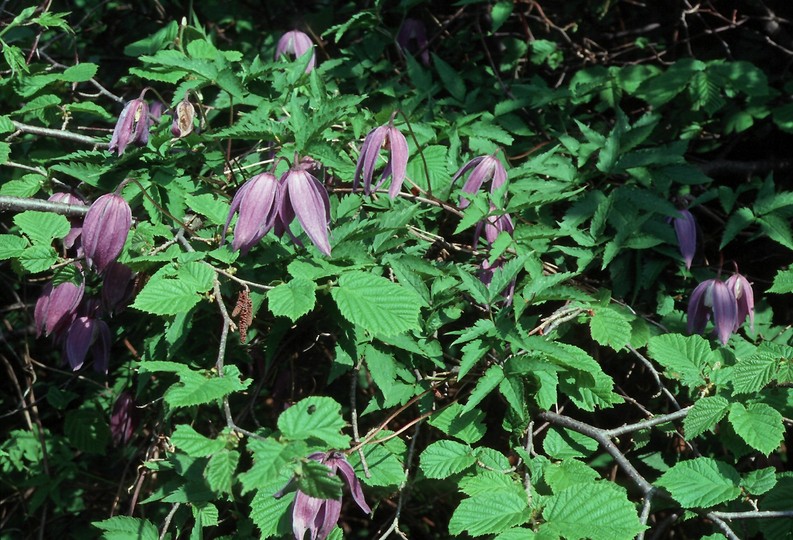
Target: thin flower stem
(57,133)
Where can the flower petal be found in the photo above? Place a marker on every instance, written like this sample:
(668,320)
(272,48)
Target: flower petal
(697,310)
(725,311)
(399,160)
(309,201)
(105,230)
(686,231)
(370,150)
(348,474)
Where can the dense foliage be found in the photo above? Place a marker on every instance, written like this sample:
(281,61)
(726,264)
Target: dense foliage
(496,269)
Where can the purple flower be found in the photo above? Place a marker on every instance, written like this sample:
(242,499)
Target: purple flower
(56,307)
(686,231)
(155,112)
(295,44)
(117,286)
(484,168)
(124,418)
(257,204)
(390,138)
(319,516)
(88,334)
(492,226)
(304,197)
(132,126)
(742,290)
(77,223)
(713,297)
(412,37)
(183,118)
(105,230)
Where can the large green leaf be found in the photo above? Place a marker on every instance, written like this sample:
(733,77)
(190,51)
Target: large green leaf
(705,414)
(127,528)
(293,299)
(220,470)
(165,296)
(684,357)
(442,458)
(701,482)
(42,227)
(192,443)
(196,388)
(315,417)
(376,304)
(758,424)
(610,327)
(494,509)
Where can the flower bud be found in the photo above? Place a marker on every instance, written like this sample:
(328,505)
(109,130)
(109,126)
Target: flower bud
(124,418)
(88,334)
(117,286)
(57,306)
(76,223)
(257,204)
(295,44)
(132,126)
(105,230)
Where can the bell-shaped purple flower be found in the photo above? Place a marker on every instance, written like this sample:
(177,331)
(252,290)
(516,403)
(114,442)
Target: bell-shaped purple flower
(319,516)
(183,119)
(105,230)
(56,307)
(132,126)
(713,297)
(295,44)
(304,197)
(491,226)
(744,296)
(118,284)
(156,109)
(257,203)
(88,334)
(485,168)
(686,231)
(392,139)
(412,37)
(124,418)
(76,223)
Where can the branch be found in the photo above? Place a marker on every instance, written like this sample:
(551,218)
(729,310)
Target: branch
(758,514)
(20,204)
(57,133)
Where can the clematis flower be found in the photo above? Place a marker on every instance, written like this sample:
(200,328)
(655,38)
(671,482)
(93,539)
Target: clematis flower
(105,230)
(304,197)
(57,306)
(156,109)
(117,286)
(686,231)
(742,290)
(319,516)
(132,126)
(183,118)
(492,226)
(76,223)
(295,44)
(257,203)
(412,37)
(124,418)
(485,168)
(392,139)
(88,334)
(713,297)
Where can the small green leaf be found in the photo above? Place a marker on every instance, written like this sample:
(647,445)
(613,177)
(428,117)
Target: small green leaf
(486,384)
(684,357)
(197,388)
(758,424)
(565,443)
(271,515)
(192,443)
(42,227)
(87,430)
(491,511)
(220,470)
(11,246)
(316,480)
(610,327)
(293,299)
(80,72)
(165,296)
(704,415)
(701,482)
(38,258)
(443,458)
(753,373)
(783,282)
(314,417)
(759,481)
(453,421)
(127,528)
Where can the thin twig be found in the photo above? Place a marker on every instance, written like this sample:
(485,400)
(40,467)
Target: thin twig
(354,416)
(168,518)
(21,204)
(57,133)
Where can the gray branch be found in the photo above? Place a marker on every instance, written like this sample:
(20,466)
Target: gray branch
(57,133)
(20,204)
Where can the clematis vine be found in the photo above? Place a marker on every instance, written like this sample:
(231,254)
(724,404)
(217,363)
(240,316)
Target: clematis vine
(686,231)
(391,138)
(105,230)
(295,44)
(483,169)
(319,516)
(132,126)
(412,37)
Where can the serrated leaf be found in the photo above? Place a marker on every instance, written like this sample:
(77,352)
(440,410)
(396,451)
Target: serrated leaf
(569,472)
(753,373)
(164,296)
(210,206)
(87,430)
(271,459)
(704,415)
(198,275)
(610,327)
(196,389)
(271,515)
(38,258)
(453,421)
(491,512)
(316,481)
(684,357)
(293,299)
(314,417)
(376,304)
(385,467)
(599,510)
(11,246)
(443,458)
(783,282)
(760,481)
(486,384)
(220,470)
(192,443)
(701,482)
(127,528)
(562,443)
(80,72)
(42,227)
(758,424)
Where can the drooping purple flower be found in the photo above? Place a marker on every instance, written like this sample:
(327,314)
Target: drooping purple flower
(87,334)
(132,126)
(485,168)
(76,223)
(156,109)
(491,226)
(57,306)
(713,297)
(304,197)
(257,203)
(295,44)
(744,296)
(412,37)
(124,418)
(183,118)
(117,286)
(393,140)
(686,231)
(105,230)
(319,516)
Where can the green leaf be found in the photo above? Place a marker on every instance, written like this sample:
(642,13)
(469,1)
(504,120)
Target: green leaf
(704,415)
(197,388)
(11,246)
(491,511)
(127,528)
(451,79)
(759,481)
(198,275)
(220,470)
(38,258)
(87,430)
(209,205)
(701,482)
(486,384)
(192,443)
(610,327)
(314,417)
(600,511)
(683,357)
(376,304)
(42,227)
(453,421)
(271,462)
(272,516)
(473,352)
(569,472)
(444,458)
(293,299)
(753,373)
(166,296)
(758,424)
(80,72)
(385,463)
(783,282)
(565,443)
(316,480)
